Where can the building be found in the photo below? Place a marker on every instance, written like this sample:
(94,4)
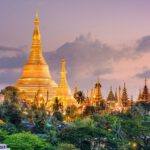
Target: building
(97,93)
(36,72)
(63,91)
(145,94)
(111,99)
(124,97)
(36,81)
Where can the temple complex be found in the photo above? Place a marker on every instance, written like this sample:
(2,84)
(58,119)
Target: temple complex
(38,87)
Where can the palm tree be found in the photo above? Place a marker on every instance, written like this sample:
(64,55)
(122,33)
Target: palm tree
(80,97)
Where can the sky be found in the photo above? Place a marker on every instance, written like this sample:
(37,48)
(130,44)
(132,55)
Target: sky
(98,38)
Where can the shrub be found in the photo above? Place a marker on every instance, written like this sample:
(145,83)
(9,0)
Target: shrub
(26,141)
(65,146)
(3,135)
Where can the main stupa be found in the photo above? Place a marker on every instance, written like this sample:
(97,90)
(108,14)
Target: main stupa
(36,72)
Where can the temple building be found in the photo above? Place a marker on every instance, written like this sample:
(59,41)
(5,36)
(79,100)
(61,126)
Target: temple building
(36,72)
(140,96)
(124,98)
(63,91)
(145,95)
(97,93)
(111,99)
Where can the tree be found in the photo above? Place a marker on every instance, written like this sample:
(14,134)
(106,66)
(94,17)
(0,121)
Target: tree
(3,135)
(26,141)
(40,118)
(58,115)
(56,105)
(89,110)
(12,108)
(80,97)
(65,146)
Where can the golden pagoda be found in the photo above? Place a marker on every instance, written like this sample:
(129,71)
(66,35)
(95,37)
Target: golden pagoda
(63,91)
(97,93)
(36,73)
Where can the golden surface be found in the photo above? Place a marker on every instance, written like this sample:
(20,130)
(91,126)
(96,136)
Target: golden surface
(36,73)
(63,91)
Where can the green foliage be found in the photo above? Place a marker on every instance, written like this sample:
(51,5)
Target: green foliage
(40,119)
(64,146)
(26,141)
(80,97)
(89,110)
(10,128)
(56,105)
(58,115)
(11,108)
(52,137)
(3,135)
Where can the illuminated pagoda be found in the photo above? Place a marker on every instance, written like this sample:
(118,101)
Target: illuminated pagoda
(145,94)
(111,99)
(124,98)
(111,96)
(63,91)
(97,93)
(140,96)
(36,72)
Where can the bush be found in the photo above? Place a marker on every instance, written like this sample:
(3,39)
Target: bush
(9,127)
(3,135)
(26,141)
(64,146)
(58,115)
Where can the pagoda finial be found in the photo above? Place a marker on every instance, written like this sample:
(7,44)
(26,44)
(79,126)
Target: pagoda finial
(124,85)
(36,20)
(145,81)
(111,88)
(63,65)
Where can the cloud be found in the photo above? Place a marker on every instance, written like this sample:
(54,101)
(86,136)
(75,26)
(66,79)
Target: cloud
(87,58)
(145,74)
(143,45)
(11,57)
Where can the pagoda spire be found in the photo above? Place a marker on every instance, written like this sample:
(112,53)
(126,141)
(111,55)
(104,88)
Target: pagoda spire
(36,56)
(63,90)
(111,96)
(63,80)
(119,96)
(63,87)
(140,95)
(97,92)
(124,96)
(145,94)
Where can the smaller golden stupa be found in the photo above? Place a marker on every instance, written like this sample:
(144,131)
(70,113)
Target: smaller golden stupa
(63,91)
